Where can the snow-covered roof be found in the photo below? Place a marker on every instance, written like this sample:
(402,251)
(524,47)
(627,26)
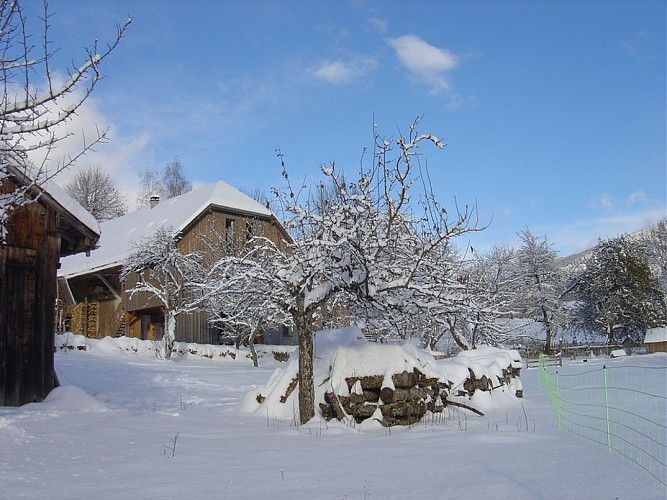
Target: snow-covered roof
(70,205)
(28,174)
(120,234)
(656,335)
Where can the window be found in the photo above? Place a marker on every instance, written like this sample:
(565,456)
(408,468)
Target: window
(249,231)
(230,231)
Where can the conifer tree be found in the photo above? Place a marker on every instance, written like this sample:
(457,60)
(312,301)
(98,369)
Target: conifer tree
(617,292)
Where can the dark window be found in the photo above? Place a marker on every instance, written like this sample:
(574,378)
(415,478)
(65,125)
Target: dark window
(230,231)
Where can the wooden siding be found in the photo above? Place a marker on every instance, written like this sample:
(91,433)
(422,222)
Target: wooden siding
(28,265)
(206,230)
(139,300)
(194,327)
(93,319)
(652,347)
(211,229)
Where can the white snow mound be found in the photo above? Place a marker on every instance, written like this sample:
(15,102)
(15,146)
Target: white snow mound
(68,398)
(344,353)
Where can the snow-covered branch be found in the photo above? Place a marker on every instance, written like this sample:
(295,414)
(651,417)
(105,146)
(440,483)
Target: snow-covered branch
(372,246)
(30,117)
(166,275)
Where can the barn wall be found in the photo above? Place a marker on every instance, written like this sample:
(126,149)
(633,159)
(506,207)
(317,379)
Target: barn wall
(106,313)
(652,347)
(139,300)
(211,228)
(28,266)
(194,327)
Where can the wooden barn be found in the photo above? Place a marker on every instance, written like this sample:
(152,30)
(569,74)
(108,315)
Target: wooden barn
(38,234)
(656,339)
(101,306)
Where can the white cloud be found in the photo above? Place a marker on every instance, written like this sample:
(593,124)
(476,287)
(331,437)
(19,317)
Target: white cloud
(584,234)
(343,72)
(605,201)
(642,46)
(119,155)
(427,63)
(638,197)
(378,25)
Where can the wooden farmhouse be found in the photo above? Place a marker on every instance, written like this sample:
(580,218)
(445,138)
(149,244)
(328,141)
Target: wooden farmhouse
(38,234)
(97,305)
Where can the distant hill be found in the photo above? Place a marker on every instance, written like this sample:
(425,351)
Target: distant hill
(577,261)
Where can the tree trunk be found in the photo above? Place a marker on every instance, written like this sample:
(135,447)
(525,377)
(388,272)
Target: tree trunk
(169,336)
(610,334)
(251,344)
(306,383)
(458,338)
(549,332)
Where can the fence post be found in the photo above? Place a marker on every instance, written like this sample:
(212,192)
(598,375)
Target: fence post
(606,406)
(558,398)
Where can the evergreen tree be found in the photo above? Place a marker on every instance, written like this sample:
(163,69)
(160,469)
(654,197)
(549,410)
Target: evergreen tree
(617,292)
(656,242)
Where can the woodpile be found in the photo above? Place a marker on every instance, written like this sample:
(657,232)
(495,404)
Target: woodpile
(407,398)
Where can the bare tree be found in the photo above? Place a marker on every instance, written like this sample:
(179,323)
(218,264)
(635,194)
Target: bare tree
(241,291)
(96,192)
(167,184)
(150,185)
(33,104)
(166,275)
(373,241)
(541,284)
(174,181)
(491,291)
(260,196)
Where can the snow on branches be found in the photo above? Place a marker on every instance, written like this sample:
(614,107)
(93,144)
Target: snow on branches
(168,276)
(617,293)
(372,245)
(30,116)
(242,292)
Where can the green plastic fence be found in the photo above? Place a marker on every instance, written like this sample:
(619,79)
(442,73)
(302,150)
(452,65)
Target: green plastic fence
(621,407)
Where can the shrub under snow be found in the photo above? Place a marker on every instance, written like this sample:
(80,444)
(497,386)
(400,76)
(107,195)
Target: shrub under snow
(71,341)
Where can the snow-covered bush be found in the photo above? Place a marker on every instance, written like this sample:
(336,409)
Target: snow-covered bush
(70,341)
(135,346)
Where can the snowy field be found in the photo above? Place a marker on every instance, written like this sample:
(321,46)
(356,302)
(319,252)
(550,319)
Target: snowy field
(125,424)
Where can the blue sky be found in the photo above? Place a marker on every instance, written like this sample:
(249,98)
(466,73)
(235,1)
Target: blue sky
(554,112)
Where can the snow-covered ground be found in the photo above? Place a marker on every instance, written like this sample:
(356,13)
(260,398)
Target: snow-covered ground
(125,424)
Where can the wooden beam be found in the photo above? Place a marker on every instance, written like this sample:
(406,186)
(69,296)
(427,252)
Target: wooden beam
(109,286)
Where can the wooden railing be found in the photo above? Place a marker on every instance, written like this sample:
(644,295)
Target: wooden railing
(118,321)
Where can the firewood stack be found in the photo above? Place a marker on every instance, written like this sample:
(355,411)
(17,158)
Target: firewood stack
(407,397)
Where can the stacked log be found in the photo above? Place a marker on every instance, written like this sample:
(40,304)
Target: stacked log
(405,397)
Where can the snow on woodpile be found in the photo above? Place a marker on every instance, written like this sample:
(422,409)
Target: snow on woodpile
(394,384)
